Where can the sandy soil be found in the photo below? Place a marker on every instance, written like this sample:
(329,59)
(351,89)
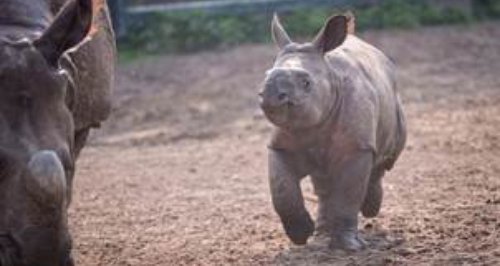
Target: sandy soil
(178,174)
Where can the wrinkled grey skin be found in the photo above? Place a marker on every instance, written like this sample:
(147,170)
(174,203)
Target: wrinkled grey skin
(55,85)
(338,119)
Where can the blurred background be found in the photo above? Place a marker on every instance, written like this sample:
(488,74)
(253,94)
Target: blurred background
(178,174)
(185,26)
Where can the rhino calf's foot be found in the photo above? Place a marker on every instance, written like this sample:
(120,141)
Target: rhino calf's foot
(347,240)
(299,228)
(373,199)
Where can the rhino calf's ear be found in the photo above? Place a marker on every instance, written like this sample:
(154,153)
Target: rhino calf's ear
(332,34)
(70,27)
(280,37)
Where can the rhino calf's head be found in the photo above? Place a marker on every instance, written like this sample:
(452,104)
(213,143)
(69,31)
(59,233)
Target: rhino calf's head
(298,90)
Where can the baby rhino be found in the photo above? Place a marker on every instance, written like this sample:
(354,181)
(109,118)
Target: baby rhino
(338,119)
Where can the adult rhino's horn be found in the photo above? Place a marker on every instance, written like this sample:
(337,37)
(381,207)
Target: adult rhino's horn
(47,180)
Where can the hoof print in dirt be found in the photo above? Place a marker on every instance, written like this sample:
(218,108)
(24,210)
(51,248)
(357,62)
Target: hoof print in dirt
(299,229)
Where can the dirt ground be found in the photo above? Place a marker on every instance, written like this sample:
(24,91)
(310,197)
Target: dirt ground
(178,174)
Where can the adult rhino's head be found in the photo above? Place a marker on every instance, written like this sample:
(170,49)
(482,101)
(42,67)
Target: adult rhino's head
(36,142)
(298,90)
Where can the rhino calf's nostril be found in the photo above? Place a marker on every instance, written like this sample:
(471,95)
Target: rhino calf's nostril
(281,96)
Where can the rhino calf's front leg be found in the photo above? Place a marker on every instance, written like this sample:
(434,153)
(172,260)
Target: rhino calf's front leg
(347,195)
(287,197)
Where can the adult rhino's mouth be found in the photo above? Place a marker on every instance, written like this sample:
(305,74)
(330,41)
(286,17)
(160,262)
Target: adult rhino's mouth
(10,250)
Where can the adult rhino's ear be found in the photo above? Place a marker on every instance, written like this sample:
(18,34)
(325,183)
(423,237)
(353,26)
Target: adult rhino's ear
(332,34)
(69,28)
(279,34)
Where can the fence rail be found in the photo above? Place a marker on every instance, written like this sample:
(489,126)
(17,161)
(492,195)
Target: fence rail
(234,6)
(122,13)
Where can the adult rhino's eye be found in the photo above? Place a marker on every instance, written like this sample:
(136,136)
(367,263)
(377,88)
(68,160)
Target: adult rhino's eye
(24,101)
(4,165)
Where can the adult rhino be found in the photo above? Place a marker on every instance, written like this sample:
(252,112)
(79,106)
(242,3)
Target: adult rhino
(338,118)
(56,73)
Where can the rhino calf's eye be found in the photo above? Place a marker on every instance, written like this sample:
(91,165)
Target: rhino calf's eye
(306,85)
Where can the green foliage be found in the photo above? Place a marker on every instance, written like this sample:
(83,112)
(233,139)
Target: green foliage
(305,22)
(391,13)
(186,32)
(409,14)
(486,8)
(193,31)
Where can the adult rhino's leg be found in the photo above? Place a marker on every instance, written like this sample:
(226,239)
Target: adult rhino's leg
(374,194)
(287,198)
(348,192)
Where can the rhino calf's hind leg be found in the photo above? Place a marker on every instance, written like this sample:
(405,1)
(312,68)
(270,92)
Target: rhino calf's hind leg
(322,225)
(287,197)
(321,189)
(346,199)
(374,194)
